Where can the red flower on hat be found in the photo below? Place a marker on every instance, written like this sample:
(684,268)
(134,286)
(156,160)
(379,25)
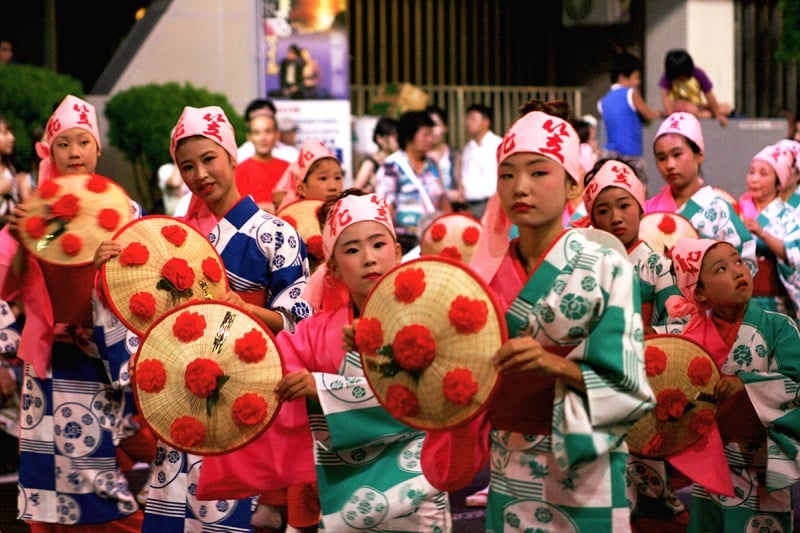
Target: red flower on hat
(670,404)
(71,244)
(178,272)
(187,431)
(211,269)
(470,235)
(189,326)
(459,386)
(414,348)
(134,254)
(702,422)
(409,285)
(249,409)
(700,371)
(290,220)
(150,375)
(314,245)
(108,219)
(438,232)
(35,227)
(97,184)
(201,376)
(651,448)
(143,306)
(667,225)
(401,402)
(174,234)
(467,315)
(66,207)
(48,189)
(251,347)
(451,252)
(655,360)
(369,335)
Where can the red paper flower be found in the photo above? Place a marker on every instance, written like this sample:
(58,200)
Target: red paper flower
(35,227)
(459,386)
(470,235)
(189,326)
(702,422)
(134,254)
(48,189)
(174,234)
(187,431)
(211,269)
(150,375)
(667,225)
(670,404)
(314,246)
(401,402)
(655,361)
(467,315)
(201,376)
(409,285)
(251,347)
(289,220)
(178,272)
(108,219)
(451,252)
(414,348)
(249,409)
(66,207)
(369,335)
(700,371)
(71,244)
(651,448)
(143,306)
(97,184)
(438,232)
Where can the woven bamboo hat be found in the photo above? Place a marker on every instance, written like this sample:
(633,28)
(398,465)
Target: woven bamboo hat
(427,334)
(452,235)
(302,215)
(69,216)
(164,263)
(682,375)
(204,375)
(661,230)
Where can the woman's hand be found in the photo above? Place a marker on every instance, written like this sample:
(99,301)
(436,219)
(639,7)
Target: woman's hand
(297,384)
(106,251)
(728,387)
(525,354)
(349,337)
(15,218)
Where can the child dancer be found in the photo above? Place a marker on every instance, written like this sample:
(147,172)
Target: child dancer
(756,352)
(364,475)
(317,174)
(575,351)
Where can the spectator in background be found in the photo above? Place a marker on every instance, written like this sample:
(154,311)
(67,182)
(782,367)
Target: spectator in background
(6,51)
(446,156)
(258,175)
(385,137)
(260,106)
(172,187)
(479,160)
(286,145)
(686,87)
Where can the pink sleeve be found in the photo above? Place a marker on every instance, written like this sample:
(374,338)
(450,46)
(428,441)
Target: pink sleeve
(451,459)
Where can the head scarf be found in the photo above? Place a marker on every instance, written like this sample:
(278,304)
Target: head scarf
(779,159)
(535,132)
(794,149)
(687,259)
(613,174)
(72,112)
(685,124)
(311,151)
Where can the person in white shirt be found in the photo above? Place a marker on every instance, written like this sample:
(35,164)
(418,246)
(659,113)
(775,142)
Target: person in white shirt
(479,159)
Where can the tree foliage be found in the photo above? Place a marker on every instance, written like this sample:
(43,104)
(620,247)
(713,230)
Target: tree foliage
(789,42)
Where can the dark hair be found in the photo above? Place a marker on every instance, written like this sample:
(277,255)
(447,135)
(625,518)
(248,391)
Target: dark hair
(294,48)
(325,208)
(587,179)
(7,159)
(484,110)
(258,104)
(438,111)
(678,64)
(384,126)
(692,145)
(624,64)
(556,108)
(410,123)
(583,129)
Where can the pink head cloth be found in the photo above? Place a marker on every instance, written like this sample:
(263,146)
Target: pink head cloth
(535,132)
(613,174)
(793,147)
(779,159)
(311,151)
(72,112)
(687,258)
(685,124)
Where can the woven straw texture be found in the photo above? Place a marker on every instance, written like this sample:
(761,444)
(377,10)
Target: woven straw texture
(662,230)
(452,235)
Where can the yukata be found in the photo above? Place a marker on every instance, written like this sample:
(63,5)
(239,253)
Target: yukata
(712,217)
(656,283)
(368,464)
(776,286)
(759,428)
(265,261)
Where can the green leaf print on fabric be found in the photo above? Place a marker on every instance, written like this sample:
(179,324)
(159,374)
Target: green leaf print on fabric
(710,214)
(588,283)
(742,355)
(543,515)
(538,470)
(574,306)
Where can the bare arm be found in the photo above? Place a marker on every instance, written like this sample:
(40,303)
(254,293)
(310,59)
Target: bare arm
(647,112)
(713,105)
(666,102)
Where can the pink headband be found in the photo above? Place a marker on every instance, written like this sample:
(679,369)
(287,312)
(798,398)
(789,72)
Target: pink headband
(687,258)
(350,210)
(793,147)
(72,112)
(613,174)
(685,124)
(779,159)
(311,151)
(209,122)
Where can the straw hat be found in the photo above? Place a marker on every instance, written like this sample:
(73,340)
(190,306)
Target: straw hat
(661,230)
(682,375)
(302,215)
(204,375)
(452,235)
(728,197)
(69,216)
(427,334)
(156,249)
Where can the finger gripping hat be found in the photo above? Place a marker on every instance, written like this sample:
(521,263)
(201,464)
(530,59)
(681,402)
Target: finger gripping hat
(685,124)
(209,122)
